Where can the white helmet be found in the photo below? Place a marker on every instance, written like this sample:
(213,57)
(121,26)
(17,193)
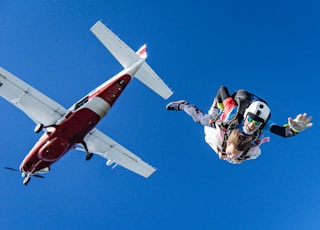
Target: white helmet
(258,111)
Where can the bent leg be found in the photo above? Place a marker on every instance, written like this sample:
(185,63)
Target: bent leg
(198,116)
(222,94)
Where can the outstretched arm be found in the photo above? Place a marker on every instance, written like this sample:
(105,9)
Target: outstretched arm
(300,123)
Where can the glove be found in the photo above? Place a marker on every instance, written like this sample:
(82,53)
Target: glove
(300,123)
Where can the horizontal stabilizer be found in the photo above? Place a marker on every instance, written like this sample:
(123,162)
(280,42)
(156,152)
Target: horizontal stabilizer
(127,58)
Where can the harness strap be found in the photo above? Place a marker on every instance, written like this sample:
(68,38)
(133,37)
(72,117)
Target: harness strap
(227,128)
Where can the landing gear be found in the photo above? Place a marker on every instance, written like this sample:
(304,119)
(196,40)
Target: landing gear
(89,155)
(26,179)
(38,128)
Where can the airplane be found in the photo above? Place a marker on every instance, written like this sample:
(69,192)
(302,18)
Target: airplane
(74,128)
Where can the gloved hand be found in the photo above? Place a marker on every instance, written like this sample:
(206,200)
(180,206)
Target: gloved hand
(300,123)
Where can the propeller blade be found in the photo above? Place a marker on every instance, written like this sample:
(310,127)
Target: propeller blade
(36,175)
(16,170)
(12,169)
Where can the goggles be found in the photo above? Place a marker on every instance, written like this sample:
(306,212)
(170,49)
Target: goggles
(256,123)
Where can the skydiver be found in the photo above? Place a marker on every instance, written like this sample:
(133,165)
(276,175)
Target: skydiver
(245,111)
(219,139)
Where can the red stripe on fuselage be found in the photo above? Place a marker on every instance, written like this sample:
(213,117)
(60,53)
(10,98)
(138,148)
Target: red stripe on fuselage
(112,90)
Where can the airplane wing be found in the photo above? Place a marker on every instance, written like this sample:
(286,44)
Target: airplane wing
(42,109)
(100,144)
(37,106)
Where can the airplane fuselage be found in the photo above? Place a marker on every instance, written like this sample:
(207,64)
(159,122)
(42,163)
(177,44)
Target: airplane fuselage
(66,129)
(71,129)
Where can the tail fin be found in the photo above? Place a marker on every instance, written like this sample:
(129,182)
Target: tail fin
(127,57)
(142,52)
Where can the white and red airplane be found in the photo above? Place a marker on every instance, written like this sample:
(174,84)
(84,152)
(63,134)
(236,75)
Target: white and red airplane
(75,128)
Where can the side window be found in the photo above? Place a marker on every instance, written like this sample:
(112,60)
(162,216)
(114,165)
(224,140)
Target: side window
(81,103)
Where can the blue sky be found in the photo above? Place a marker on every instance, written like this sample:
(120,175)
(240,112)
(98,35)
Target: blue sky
(270,48)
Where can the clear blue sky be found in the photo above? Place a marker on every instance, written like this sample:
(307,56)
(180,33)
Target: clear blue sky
(270,48)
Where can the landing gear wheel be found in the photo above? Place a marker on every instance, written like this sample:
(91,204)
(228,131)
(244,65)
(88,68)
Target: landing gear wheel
(38,128)
(89,156)
(26,180)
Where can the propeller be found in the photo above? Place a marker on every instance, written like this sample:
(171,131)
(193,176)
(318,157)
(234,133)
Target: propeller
(37,175)
(12,169)
(16,170)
